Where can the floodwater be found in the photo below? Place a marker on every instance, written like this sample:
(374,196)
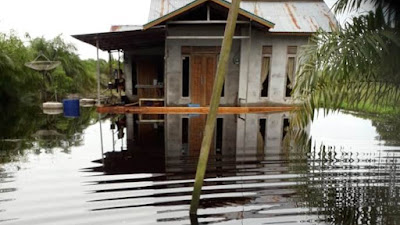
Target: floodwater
(53,170)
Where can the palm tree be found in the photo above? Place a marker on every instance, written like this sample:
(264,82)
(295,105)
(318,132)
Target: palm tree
(72,76)
(357,65)
(16,81)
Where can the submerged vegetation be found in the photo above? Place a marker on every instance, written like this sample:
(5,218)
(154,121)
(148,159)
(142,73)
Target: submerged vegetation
(355,66)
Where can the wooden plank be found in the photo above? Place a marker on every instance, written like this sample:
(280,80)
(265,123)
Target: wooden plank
(196,84)
(203,66)
(196,128)
(147,69)
(190,110)
(153,100)
(210,67)
(203,37)
(132,104)
(204,22)
(187,50)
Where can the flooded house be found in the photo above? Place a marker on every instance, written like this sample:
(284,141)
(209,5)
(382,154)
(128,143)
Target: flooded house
(172,59)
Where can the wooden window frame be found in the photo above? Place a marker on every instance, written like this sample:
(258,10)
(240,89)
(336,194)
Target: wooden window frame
(290,54)
(189,77)
(266,52)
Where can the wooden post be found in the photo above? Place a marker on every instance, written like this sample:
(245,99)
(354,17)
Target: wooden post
(98,72)
(215,98)
(98,98)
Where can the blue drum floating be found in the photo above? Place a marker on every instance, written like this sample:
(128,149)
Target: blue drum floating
(71,108)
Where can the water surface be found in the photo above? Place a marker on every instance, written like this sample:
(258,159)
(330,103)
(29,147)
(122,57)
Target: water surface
(52,170)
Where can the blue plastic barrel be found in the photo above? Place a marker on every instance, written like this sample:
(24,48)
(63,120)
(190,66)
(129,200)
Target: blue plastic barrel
(71,108)
(193,105)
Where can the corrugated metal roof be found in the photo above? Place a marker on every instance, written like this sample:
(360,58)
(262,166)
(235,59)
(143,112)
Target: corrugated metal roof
(244,13)
(126,40)
(288,16)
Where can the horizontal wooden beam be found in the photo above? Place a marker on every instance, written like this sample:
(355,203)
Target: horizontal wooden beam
(189,110)
(205,37)
(204,22)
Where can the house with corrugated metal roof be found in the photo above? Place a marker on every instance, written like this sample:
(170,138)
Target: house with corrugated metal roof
(173,57)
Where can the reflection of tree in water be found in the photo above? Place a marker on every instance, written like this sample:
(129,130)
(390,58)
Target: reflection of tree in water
(28,128)
(388,128)
(348,187)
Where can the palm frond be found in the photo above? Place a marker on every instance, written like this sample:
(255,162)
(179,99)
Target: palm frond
(356,65)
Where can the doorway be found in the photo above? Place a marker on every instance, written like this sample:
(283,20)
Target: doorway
(202,74)
(203,65)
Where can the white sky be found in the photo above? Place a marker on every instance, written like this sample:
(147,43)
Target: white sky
(50,18)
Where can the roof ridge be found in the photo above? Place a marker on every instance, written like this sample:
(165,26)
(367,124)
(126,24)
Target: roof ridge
(197,3)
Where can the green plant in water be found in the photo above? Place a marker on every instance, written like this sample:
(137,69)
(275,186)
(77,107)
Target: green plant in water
(356,66)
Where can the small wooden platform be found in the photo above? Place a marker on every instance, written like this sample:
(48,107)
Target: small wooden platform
(189,110)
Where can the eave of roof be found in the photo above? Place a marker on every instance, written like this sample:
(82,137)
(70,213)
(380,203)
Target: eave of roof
(131,39)
(196,3)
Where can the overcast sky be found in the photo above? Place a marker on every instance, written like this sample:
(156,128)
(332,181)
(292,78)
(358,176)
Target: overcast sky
(50,18)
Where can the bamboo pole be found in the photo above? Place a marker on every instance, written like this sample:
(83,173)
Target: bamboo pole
(98,72)
(215,99)
(98,99)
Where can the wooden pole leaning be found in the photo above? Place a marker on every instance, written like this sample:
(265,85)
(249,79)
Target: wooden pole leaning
(215,99)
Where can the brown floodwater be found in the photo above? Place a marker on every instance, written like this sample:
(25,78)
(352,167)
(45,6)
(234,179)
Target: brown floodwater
(128,169)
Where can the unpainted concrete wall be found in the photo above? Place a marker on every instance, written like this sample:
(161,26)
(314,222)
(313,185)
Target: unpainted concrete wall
(251,63)
(243,82)
(173,65)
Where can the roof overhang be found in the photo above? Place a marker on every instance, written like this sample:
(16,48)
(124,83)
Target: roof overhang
(125,40)
(192,5)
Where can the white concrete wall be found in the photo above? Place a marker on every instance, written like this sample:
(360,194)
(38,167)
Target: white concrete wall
(251,62)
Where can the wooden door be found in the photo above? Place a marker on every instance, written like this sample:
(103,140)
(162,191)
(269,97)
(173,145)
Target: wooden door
(203,67)
(148,70)
(196,129)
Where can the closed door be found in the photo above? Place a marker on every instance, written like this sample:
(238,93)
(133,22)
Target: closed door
(202,73)
(203,67)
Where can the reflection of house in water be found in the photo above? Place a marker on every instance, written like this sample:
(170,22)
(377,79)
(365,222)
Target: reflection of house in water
(158,146)
(246,159)
(249,176)
(234,134)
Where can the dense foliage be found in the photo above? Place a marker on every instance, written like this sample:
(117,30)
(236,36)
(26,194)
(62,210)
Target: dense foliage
(19,83)
(355,66)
